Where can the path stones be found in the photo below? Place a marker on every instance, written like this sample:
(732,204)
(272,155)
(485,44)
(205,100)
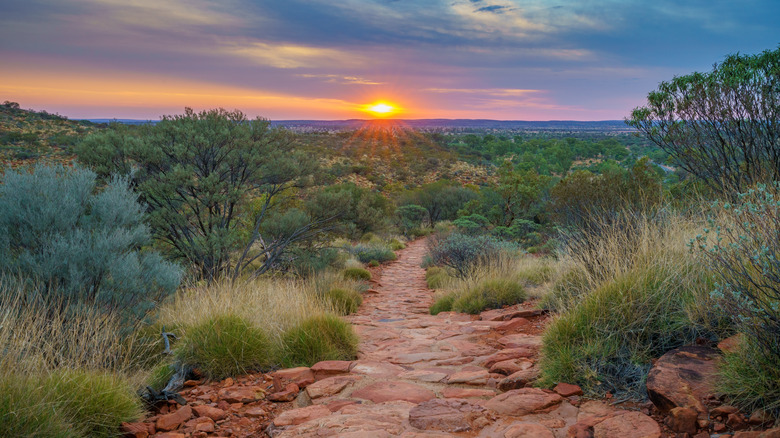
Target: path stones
(301,415)
(628,424)
(524,401)
(330,386)
(448,415)
(394,391)
(528,430)
(683,377)
(330,368)
(469,377)
(376,369)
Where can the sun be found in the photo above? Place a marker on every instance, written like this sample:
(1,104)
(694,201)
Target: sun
(381,109)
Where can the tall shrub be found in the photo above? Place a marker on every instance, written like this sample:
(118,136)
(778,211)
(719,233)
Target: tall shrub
(86,243)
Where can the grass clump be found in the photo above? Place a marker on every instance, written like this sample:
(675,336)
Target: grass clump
(570,285)
(605,343)
(225,345)
(318,338)
(26,409)
(357,274)
(489,294)
(396,245)
(435,277)
(160,375)
(442,304)
(345,301)
(750,378)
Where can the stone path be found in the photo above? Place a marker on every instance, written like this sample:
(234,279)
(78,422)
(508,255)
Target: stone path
(419,375)
(416,375)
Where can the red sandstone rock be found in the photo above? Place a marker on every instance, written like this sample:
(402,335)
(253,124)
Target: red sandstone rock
(301,376)
(627,424)
(519,379)
(524,401)
(215,414)
(172,421)
(135,430)
(301,415)
(290,393)
(567,389)
(330,368)
(447,415)
(528,430)
(329,386)
(391,391)
(513,325)
(683,420)
(511,353)
(683,378)
(731,344)
(238,395)
(469,377)
(454,392)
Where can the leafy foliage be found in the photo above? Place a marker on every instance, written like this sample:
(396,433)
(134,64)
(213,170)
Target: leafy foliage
(198,173)
(462,253)
(722,126)
(357,274)
(359,210)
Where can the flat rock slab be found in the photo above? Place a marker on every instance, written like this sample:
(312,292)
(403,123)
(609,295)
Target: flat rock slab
(330,386)
(479,377)
(628,424)
(394,391)
(330,368)
(376,369)
(524,401)
(301,415)
(447,415)
(528,430)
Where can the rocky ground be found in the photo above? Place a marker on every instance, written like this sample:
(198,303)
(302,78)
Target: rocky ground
(419,375)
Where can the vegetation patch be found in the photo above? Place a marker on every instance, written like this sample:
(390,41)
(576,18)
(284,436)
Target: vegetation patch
(318,338)
(750,378)
(489,294)
(435,277)
(345,301)
(225,345)
(357,274)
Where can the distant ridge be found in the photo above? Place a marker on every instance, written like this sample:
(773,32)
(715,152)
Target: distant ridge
(433,124)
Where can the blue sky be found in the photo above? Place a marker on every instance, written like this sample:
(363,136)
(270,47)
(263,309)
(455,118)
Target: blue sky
(312,59)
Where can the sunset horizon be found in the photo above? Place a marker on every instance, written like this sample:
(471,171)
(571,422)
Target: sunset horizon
(311,60)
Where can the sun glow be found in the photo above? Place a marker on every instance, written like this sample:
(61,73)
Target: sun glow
(381,109)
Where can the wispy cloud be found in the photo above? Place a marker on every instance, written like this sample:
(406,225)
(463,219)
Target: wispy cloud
(340,79)
(503,92)
(294,56)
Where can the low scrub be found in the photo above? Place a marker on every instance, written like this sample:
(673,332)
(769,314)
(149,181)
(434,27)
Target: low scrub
(225,345)
(750,378)
(489,294)
(443,303)
(435,277)
(344,301)
(318,338)
(373,251)
(357,274)
(605,343)
(462,254)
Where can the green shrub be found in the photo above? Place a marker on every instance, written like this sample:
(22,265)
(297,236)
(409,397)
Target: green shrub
(26,410)
(345,301)
(373,264)
(489,294)
(442,304)
(463,253)
(750,378)
(84,244)
(367,252)
(606,342)
(435,277)
(536,273)
(318,338)
(571,286)
(396,245)
(357,274)
(225,345)
(96,403)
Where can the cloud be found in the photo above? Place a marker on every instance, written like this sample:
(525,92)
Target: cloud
(339,79)
(506,92)
(498,9)
(293,56)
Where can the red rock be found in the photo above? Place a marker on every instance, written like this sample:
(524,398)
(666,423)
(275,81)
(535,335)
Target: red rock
(392,391)
(513,325)
(718,427)
(524,401)
(301,415)
(683,377)
(750,434)
(507,367)
(759,417)
(329,386)
(215,414)
(290,393)
(627,424)
(336,405)
(330,368)
(255,412)
(376,369)
(447,415)
(135,430)
(454,392)
(519,379)
(567,389)
(170,435)
(683,420)
(301,376)
(172,421)
(510,353)
(731,344)
(239,395)
(469,377)
(723,411)
(736,421)
(528,430)
(771,433)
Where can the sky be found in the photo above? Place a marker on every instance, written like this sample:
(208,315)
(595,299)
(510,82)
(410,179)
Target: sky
(330,59)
